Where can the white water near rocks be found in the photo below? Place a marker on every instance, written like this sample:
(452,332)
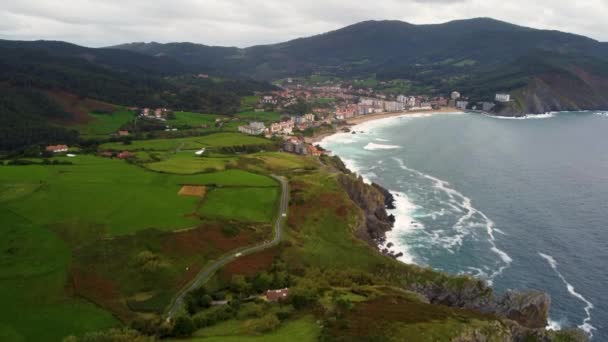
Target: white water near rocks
(478,195)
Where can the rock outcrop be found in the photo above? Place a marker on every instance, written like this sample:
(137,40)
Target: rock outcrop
(373,202)
(527,312)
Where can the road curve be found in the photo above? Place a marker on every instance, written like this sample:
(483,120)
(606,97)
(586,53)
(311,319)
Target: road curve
(206,272)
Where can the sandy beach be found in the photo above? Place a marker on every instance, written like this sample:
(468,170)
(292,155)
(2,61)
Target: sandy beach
(365,118)
(370,117)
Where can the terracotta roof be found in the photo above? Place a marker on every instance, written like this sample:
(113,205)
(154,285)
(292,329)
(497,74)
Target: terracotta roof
(277,295)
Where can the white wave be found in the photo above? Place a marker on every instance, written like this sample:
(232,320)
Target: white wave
(338,138)
(405,224)
(525,117)
(381,140)
(374,147)
(554,325)
(370,126)
(463,204)
(586,324)
(605,114)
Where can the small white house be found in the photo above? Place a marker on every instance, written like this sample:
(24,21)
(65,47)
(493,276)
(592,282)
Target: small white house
(503,97)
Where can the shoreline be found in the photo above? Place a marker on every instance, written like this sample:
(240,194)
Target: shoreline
(316,139)
(386,245)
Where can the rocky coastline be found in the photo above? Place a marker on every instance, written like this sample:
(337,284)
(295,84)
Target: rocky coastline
(525,314)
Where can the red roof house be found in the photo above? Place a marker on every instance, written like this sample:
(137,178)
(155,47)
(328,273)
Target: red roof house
(277,295)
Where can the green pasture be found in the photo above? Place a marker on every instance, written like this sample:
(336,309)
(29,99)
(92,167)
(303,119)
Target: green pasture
(190,143)
(303,329)
(249,102)
(242,204)
(194,119)
(188,163)
(33,271)
(103,125)
(259,116)
(112,195)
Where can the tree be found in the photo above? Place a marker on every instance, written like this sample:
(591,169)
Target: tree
(262,282)
(183,327)
(239,284)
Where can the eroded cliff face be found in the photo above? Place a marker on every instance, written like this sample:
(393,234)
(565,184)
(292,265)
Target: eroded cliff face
(524,314)
(373,200)
(553,92)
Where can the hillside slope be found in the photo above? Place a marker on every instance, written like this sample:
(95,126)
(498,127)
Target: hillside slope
(463,54)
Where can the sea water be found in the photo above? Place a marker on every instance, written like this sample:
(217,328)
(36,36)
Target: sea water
(522,204)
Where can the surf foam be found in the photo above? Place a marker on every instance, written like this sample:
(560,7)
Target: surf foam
(374,147)
(470,218)
(586,324)
(525,117)
(405,223)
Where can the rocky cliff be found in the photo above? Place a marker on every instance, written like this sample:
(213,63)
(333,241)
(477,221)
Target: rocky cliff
(373,200)
(524,314)
(572,89)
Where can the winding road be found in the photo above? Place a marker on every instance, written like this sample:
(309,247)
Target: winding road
(206,272)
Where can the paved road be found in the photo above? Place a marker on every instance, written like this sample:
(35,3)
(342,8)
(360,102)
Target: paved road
(206,273)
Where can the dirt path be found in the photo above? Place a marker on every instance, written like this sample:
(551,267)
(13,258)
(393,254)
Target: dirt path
(205,274)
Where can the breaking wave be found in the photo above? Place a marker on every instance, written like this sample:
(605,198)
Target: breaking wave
(469,222)
(374,146)
(525,117)
(586,324)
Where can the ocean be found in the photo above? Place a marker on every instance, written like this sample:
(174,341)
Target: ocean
(520,203)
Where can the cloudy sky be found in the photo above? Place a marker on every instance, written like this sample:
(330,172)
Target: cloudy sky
(249,22)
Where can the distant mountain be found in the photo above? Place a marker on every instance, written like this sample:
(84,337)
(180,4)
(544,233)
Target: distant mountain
(462,54)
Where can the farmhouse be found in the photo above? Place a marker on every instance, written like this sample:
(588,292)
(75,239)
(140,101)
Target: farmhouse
(125,155)
(57,148)
(277,295)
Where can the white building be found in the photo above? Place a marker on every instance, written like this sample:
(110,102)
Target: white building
(455,95)
(309,117)
(462,105)
(503,97)
(402,98)
(254,128)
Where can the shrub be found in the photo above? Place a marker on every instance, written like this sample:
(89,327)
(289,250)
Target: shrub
(263,325)
(183,327)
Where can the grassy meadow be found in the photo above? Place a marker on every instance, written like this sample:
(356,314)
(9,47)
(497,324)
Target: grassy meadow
(187,162)
(266,117)
(194,119)
(112,233)
(102,125)
(303,329)
(190,143)
(242,204)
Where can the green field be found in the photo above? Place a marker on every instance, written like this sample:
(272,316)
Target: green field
(266,117)
(114,196)
(33,270)
(103,125)
(304,329)
(47,210)
(188,163)
(243,204)
(191,143)
(194,119)
(249,102)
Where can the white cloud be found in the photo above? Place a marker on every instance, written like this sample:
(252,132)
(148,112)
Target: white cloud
(250,22)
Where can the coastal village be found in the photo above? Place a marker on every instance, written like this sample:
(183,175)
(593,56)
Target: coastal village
(310,112)
(335,107)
